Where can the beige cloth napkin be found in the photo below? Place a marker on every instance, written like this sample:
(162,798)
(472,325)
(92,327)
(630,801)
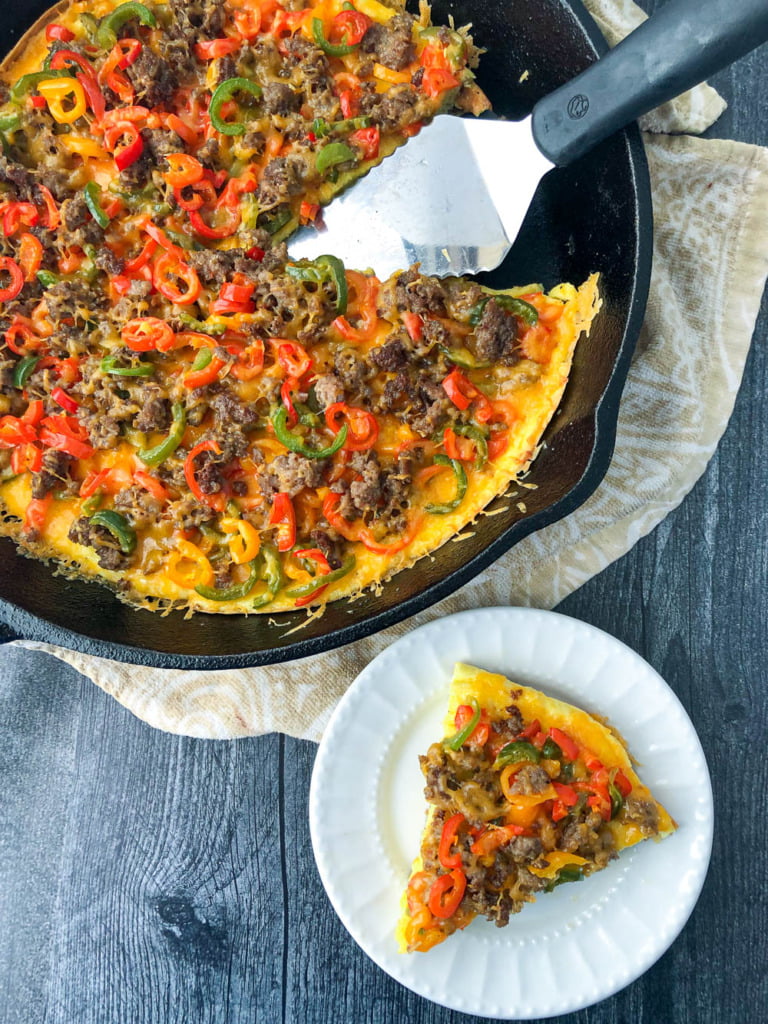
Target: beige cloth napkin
(710,265)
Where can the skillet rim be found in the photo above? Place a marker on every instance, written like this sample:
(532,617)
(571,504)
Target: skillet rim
(18,623)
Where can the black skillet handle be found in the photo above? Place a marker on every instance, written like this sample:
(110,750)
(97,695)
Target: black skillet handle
(678,47)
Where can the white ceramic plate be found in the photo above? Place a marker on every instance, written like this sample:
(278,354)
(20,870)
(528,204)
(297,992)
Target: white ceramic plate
(574,946)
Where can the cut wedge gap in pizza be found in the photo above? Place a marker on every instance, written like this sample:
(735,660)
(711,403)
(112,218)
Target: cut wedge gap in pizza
(525,793)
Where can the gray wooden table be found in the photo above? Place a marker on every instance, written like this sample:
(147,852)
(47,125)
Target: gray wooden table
(147,879)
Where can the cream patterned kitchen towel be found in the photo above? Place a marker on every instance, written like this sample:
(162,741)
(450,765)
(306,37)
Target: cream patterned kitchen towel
(711,224)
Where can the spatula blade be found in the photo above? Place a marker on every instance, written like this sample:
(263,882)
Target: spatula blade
(452,199)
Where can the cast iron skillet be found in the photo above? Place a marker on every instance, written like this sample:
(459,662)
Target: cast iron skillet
(593,215)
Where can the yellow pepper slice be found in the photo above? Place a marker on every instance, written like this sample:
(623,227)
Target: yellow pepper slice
(188,567)
(54,90)
(246,542)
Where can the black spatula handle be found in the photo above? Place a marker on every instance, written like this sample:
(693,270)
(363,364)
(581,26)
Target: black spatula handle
(677,48)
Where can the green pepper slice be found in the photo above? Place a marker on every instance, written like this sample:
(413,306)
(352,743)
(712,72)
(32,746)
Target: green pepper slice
(332,49)
(617,800)
(223,92)
(463,358)
(551,751)
(324,268)
(517,751)
(118,526)
(351,124)
(274,224)
(109,26)
(47,278)
(279,419)
(90,505)
(24,370)
(89,24)
(109,365)
(480,438)
(272,575)
(457,741)
(238,590)
(154,456)
(203,326)
(321,582)
(333,154)
(202,359)
(570,873)
(28,82)
(461,487)
(519,307)
(10,122)
(92,196)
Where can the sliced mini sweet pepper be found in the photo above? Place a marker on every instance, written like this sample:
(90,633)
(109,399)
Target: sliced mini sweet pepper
(160,452)
(238,590)
(461,487)
(457,741)
(450,832)
(118,526)
(110,25)
(226,90)
(446,893)
(279,420)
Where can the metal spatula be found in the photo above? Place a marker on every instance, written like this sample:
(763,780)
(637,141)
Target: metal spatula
(454,197)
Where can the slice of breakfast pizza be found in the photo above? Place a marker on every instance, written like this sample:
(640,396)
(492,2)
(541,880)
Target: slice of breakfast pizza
(525,793)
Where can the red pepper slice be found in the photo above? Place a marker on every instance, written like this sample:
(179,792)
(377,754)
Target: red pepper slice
(34,412)
(349,27)
(293,358)
(622,783)
(143,258)
(373,545)
(250,361)
(147,334)
(462,392)
(52,217)
(491,839)
(151,484)
(283,516)
(209,373)
(349,531)
(211,49)
(530,730)
(446,893)
(228,228)
(368,140)
(26,458)
(34,516)
(94,479)
(450,832)
(60,33)
(170,267)
(217,500)
(565,743)
(479,735)
(60,397)
(130,152)
(65,434)
(567,794)
(414,324)
(14,431)
(16,282)
(30,255)
(362,426)
(15,214)
(437,81)
(62,58)
(315,555)
(93,94)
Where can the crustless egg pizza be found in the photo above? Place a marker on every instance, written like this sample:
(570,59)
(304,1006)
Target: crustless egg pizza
(188,415)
